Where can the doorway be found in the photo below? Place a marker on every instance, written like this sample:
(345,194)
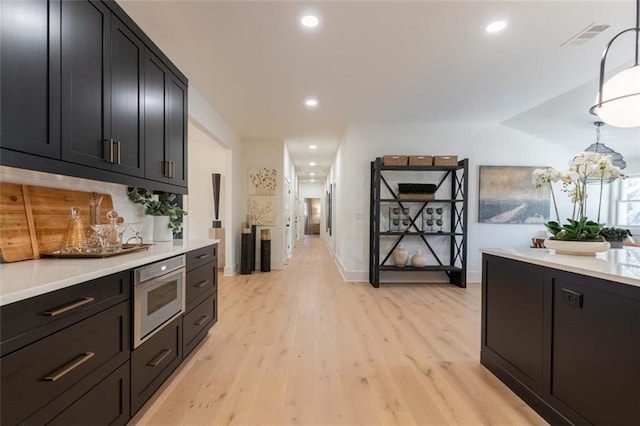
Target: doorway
(312,216)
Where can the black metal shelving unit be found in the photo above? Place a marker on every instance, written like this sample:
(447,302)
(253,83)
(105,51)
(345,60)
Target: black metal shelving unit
(456,266)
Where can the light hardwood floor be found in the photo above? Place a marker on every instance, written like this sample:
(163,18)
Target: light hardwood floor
(302,346)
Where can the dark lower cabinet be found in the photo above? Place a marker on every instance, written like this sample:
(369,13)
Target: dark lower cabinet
(595,359)
(514,290)
(30,77)
(105,404)
(153,361)
(568,344)
(45,377)
(197,323)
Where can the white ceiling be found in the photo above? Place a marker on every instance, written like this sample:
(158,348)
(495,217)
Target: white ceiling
(383,61)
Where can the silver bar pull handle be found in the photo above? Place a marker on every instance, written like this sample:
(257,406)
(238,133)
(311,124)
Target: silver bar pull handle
(201,284)
(202,320)
(69,307)
(159,358)
(119,152)
(68,368)
(203,256)
(108,147)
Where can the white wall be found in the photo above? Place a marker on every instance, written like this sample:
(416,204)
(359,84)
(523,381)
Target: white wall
(207,156)
(483,144)
(270,154)
(207,120)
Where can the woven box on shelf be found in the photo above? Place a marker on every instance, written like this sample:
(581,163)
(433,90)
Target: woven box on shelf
(394,160)
(445,160)
(421,160)
(417,197)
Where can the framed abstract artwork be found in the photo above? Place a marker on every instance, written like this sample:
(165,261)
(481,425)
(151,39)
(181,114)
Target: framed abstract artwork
(507,195)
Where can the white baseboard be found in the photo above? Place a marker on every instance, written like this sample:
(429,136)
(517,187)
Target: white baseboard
(474,277)
(231,270)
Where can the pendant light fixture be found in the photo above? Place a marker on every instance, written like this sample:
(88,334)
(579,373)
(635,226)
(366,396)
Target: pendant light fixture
(600,148)
(618,100)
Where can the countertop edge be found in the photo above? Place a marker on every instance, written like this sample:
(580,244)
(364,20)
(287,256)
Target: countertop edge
(115,264)
(563,266)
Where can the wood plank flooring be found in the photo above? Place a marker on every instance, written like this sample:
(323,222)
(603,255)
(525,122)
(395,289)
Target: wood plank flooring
(301,346)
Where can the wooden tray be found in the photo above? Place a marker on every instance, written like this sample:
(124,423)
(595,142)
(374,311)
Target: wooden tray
(126,248)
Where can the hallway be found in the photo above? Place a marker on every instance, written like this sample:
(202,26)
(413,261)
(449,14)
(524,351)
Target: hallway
(301,346)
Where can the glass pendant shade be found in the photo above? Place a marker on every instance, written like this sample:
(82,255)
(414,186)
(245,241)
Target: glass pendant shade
(621,99)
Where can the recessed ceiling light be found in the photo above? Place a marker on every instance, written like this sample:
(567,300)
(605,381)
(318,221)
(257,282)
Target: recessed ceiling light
(309,21)
(312,180)
(311,102)
(312,174)
(313,146)
(496,26)
(312,163)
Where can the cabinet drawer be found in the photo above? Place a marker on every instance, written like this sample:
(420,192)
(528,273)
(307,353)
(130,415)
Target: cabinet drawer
(200,283)
(42,371)
(197,258)
(197,322)
(26,321)
(106,404)
(153,361)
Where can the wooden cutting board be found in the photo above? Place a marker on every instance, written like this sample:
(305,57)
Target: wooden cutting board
(34,219)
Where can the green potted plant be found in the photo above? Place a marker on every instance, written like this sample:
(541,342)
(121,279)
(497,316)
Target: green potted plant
(579,235)
(615,236)
(168,215)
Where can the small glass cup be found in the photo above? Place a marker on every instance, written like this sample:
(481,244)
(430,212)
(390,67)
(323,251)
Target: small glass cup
(137,228)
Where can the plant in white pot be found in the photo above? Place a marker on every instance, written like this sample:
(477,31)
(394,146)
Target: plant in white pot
(579,235)
(168,215)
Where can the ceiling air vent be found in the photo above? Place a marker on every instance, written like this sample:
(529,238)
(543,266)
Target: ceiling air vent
(586,34)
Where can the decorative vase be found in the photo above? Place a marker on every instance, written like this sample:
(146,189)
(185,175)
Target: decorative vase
(577,248)
(419,260)
(400,256)
(161,230)
(616,244)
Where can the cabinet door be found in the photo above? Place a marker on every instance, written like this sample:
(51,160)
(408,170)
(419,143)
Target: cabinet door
(127,55)
(595,349)
(30,76)
(85,83)
(177,130)
(513,316)
(154,118)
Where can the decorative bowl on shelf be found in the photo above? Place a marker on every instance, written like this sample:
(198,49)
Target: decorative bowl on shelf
(576,248)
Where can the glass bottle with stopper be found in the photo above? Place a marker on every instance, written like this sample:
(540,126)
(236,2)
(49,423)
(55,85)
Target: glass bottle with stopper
(74,239)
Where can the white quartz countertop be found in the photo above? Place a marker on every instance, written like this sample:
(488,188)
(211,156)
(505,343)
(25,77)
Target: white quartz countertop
(29,278)
(619,265)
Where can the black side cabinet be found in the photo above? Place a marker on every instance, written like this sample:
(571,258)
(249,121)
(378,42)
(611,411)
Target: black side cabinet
(568,344)
(73,83)
(30,77)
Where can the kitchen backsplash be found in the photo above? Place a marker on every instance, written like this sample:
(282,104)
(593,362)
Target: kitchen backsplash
(125,208)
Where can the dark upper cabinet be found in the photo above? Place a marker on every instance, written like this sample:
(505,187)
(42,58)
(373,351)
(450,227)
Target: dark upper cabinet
(165,121)
(127,59)
(76,77)
(30,77)
(101,90)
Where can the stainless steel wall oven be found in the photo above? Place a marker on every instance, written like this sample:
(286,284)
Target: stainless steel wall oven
(159,296)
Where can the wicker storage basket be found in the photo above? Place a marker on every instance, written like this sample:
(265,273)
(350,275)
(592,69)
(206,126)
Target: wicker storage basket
(445,160)
(421,160)
(394,160)
(417,197)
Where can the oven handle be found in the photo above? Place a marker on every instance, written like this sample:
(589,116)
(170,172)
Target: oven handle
(159,280)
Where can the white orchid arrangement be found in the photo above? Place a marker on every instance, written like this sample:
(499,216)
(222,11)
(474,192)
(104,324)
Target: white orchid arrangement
(586,166)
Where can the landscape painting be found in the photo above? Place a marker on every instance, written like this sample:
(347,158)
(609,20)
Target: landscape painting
(507,195)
